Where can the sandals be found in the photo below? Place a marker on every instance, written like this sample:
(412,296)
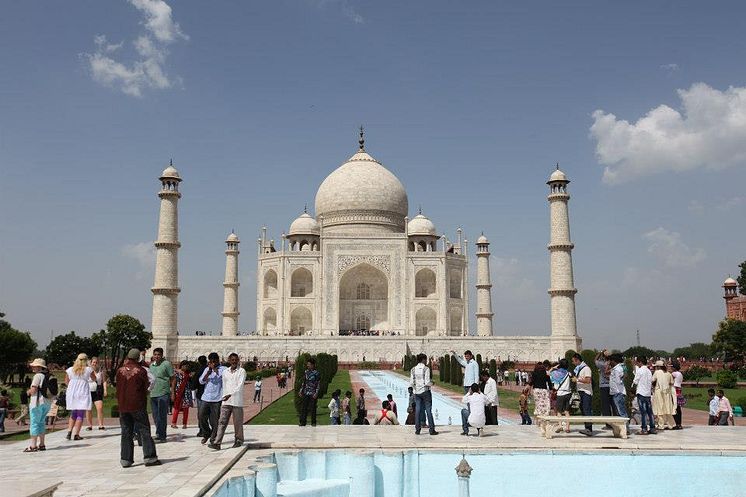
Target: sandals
(31,449)
(78,437)
(101,427)
(174,427)
(42,448)
(89,428)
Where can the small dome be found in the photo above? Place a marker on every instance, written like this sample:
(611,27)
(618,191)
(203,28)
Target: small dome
(730,282)
(482,239)
(232,238)
(421,225)
(170,172)
(304,225)
(558,175)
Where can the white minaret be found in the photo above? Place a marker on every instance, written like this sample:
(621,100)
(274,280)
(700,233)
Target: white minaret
(484,288)
(166,285)
(230,295)
(562,287)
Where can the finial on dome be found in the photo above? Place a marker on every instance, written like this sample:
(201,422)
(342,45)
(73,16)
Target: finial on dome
(305,208)
(361,141)
(171,162)
(558,166)
(420,209)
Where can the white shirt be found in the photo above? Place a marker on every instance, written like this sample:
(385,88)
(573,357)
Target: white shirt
(678,379)
(714,406)
(490,391)
(644,381)
(38,399)
(419,378)
(471,371)
(616,380)
(258,385)
(233,381)
(476,402)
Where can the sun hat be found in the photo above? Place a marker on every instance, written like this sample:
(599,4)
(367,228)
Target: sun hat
(39,362)
(659,363)
(134,354)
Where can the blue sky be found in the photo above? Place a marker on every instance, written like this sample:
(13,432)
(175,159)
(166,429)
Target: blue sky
(469,103)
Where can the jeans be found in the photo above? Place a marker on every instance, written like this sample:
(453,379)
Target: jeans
(605,401)
(423,406)
(646,412)
(209,413)
(308,405)
(257,394)
(159,406)
(3,413)
(334,420)
(620,404)
(225,415)
(586,408)
(347,420)
(525,418)
(128,422)
(465,420)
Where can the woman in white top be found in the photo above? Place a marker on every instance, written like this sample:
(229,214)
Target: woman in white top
(473,415)
(98,392)
(678,381)
(78,395)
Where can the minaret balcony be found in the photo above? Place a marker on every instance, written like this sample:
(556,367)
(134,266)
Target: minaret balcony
(562,291)
(485,286)
(167,244)
(558,196)
(231,284)
(561,246)
(165,291)
(169,193)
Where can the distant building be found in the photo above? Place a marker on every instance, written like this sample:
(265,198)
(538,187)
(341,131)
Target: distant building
(735,304)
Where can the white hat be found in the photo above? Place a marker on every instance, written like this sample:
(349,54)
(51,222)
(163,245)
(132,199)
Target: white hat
(39,362)
(659,363)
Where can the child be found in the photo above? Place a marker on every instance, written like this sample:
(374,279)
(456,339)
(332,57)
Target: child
(523,407)
(347,414)
(181,396)
(334,408)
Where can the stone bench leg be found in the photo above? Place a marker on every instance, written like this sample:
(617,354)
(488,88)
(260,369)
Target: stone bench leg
(619,430)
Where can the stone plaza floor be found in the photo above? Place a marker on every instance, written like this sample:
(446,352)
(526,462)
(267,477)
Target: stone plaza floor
(91,467)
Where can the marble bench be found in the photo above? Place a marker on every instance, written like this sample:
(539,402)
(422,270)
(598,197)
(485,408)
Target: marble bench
(550,425)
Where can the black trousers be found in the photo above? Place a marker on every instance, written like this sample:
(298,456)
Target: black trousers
(677,416)
(129,421)
(490,414)
(308,404)
(605,401)
(209,414)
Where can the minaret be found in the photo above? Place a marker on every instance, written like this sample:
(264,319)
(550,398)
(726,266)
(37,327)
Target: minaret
(230,294)
(484,288)
(562,287)
(166,289)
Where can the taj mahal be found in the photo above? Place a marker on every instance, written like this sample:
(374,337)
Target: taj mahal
(363,280)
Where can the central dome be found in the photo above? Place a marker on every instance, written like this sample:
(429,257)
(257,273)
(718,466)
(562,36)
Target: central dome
(361,194)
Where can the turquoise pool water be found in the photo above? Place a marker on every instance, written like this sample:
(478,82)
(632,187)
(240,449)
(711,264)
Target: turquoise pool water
(425,473)
(446,411)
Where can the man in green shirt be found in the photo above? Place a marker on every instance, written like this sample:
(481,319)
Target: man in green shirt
(160,395)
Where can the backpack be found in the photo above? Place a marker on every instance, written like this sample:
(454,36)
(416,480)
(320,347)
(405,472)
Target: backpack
(48,386)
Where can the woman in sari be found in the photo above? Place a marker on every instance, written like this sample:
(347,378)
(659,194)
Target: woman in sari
(540,386)
(181,396)
(664,404)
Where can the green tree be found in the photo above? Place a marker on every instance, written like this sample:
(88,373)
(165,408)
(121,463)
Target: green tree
(727,378)
(730,340)
(63,349)
(696,373)
(16,348)
(693,351)
(639,351)
(122,333)
(493,368)
(479,362)
(741,279)
(447,369)
(589,357)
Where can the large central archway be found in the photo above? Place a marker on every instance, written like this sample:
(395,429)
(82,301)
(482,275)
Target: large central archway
(363,299)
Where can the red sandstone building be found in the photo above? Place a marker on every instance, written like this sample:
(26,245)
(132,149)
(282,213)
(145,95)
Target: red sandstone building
(735,304)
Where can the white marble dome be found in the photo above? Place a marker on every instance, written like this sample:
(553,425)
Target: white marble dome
(558,175)
(170,172)
(730,282)
(482,239)
(232,238)
(421,226)
(362,194)
(305,224)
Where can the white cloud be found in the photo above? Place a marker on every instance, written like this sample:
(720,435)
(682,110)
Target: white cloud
(144,254)
(669,67)
(147,68)
(708,133)
(668,247)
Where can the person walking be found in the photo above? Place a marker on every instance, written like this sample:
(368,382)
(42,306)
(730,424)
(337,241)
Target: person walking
(24,398)
(198,389)
(560,377)
(181,397)
(713,403)
(617,389)
(663,397)
(309,391)
(583,379)
(78,396)
(473,414)
(540,386)
(98,392)
(523,405)
(678,382)
(257,389)
(132,397)
(725,410)
(643,382)
(333,406)
(490,391)
(160,395)
(421,383)
(346,409)
(471,369)
(234,378)
(40,393)
(209,411)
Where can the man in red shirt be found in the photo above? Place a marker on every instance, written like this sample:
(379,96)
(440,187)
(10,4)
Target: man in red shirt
(132,395)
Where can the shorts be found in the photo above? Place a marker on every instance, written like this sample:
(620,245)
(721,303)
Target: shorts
(98,395)
(38,419)
(77,414)
(563,403)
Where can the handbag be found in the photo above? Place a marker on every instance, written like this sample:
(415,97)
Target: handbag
(575,401)
(680,400)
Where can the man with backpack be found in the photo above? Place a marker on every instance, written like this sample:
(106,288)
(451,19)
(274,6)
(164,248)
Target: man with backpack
(583,378)
(43,387)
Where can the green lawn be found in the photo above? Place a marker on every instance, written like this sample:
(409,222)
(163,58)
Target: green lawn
(696,398)
(282,411)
